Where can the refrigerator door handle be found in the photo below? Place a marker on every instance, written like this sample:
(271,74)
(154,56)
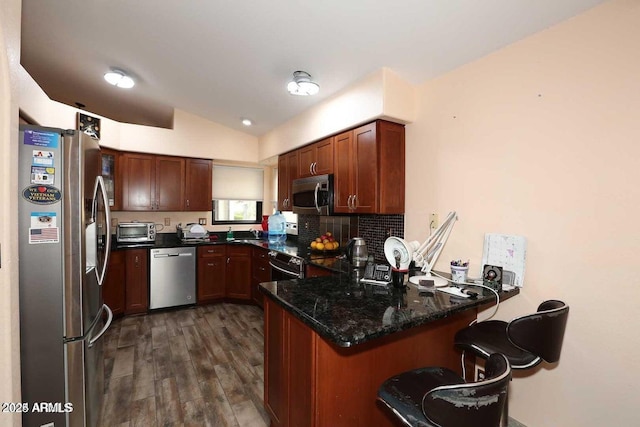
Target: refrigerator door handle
(100,187)
(93,340)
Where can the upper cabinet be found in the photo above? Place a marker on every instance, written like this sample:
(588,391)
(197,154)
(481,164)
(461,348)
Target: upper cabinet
(165,183)
(369,169)
(169,182)
(198,185)
(316,159)
(111,176)
(287,172)
(367,164)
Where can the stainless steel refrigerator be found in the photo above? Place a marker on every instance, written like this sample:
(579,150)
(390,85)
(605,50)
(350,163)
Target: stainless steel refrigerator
(64,250)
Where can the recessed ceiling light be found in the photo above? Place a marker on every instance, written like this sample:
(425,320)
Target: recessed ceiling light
(120,79)
(302,84)
(247,122)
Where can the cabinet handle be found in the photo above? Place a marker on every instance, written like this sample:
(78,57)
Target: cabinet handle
(262,269)
(210,251)
(187,202)
(315,168)
(311,168)
(211,264)
(349,201)
(355,201)
(228,260)
(137,261)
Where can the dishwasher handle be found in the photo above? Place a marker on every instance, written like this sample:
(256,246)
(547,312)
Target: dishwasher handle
(172,255)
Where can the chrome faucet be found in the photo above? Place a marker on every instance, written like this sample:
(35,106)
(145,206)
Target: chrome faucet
(256,233)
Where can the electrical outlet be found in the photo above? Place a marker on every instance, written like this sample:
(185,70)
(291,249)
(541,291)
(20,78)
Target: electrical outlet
(433,221)
(202,221)
(167,221)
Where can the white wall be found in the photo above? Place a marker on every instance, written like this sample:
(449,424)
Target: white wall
(382,94)
(541,139)
(9,321)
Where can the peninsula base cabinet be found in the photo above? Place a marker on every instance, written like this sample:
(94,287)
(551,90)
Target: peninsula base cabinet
(309,381)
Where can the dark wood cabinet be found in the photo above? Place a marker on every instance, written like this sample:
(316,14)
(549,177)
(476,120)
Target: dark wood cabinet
(111,177)
(113,290)
(238,276)
(136,281)
(289,368)
(212,267)
(261,272)
(198,185)
(169,183)
(224,271)
(316,159)
(138,182)
(369,169)
(165,183)
(287,172)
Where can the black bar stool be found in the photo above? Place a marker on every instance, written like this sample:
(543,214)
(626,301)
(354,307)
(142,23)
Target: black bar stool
(438,397)
(525,341)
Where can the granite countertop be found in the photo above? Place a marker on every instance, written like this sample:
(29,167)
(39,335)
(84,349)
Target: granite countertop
(347,313)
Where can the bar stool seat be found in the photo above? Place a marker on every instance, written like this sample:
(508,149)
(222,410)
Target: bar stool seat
(438,397)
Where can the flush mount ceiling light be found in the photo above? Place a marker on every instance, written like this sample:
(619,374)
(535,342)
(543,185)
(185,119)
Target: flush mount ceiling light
(302,84)
(247,122)
(119,78)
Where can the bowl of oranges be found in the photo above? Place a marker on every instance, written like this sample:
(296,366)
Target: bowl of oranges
(325,243)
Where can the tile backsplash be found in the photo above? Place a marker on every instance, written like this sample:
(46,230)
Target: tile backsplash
(373,228)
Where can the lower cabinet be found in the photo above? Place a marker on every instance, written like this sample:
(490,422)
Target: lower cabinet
(212,267)
(224,271)
(288,368)
(126,289)
(113,288)
(238,277)
(136,281)
(261,272)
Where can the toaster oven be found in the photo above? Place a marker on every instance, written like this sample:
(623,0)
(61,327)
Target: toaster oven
(136,232)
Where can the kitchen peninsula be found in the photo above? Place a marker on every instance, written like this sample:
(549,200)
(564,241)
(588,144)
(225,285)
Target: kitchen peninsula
(330,342)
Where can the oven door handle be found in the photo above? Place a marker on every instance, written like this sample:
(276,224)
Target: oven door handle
(282,270)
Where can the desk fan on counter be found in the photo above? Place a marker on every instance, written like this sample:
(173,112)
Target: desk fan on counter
(400,253)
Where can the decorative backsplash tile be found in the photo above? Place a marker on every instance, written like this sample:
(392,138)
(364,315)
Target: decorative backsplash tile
(374,229)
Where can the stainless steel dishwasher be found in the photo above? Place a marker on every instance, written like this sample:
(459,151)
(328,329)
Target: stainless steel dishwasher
(172,279)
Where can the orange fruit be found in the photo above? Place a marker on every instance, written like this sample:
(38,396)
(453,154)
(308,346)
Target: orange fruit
(320,246)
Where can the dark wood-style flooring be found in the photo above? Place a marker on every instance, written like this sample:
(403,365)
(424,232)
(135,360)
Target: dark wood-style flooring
(199,366)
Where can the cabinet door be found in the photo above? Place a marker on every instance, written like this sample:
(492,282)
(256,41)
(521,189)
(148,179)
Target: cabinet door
(365,164)
(276,377)
(238,276)
(137,278)
(391,167)
(306,159)
(138,182)
(169,183)
(287,172)
(211,278)
(261,273)
(113,290)
(111,176)
(324,157)
(342,181)
(198,185)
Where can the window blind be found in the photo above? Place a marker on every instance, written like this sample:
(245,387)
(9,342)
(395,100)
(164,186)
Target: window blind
(238,183)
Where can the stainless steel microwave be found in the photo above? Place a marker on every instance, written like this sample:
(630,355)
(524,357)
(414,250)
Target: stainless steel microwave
(136,232)
(313,195)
